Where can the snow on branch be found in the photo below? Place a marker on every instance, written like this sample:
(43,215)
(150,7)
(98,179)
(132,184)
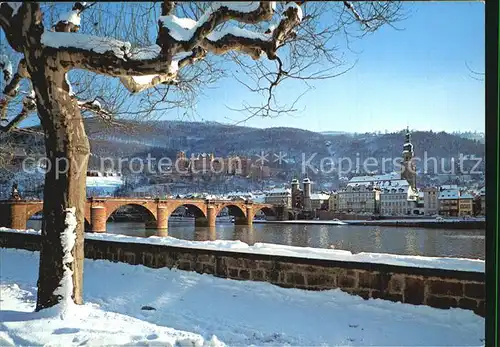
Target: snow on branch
(183,29)
(75,41)
(253,43)
(181,41)
(96,108)
(185,34)
(355,13)
(70,21)
(136,84)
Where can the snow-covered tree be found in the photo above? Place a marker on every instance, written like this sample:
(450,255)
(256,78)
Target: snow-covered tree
(60,63)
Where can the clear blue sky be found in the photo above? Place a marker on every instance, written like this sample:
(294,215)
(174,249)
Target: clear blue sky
(416,77)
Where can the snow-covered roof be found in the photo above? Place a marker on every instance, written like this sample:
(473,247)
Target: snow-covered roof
(397,183)
(449,186)
(466,195)
(448,194)
(279,191)
(373,178)
(360,184)
(398,189)
(319,196)
(260,199)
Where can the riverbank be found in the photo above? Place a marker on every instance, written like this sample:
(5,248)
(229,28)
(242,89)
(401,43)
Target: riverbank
(186,308)
(408,223)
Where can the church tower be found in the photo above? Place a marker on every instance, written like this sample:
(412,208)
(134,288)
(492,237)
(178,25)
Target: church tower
(408,168)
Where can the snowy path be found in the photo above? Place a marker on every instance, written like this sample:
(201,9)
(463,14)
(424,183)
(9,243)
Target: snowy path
(236,312)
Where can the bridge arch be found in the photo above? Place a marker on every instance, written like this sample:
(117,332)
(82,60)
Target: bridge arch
(32,210)
(192,208)
(150,216)
(234,209)
(266,210)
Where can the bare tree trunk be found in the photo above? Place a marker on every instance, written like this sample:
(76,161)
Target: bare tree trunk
(67,150)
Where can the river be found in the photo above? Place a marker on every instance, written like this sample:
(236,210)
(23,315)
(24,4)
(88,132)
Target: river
(354,238)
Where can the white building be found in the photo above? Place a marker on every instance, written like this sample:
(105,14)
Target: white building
(319,200)
(358,197)
(362,193)
(279,196)
(397,198)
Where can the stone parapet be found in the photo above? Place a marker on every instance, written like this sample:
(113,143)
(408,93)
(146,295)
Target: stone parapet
(418,286)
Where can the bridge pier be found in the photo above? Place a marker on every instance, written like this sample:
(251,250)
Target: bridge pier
(249,215)
(98,219)
(17,217)
(245,220)
(211,216)
(209,220)
(162,217)
(201,222)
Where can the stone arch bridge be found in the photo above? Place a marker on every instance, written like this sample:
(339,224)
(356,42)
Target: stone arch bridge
(15,213)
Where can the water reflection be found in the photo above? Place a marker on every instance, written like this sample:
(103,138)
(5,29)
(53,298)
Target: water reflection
(411,242)
(205,234)
(396,240)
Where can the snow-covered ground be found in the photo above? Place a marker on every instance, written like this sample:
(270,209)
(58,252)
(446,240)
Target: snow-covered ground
(460,264)
(196,310)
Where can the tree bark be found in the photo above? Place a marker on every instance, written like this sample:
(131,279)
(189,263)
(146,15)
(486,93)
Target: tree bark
(67,150)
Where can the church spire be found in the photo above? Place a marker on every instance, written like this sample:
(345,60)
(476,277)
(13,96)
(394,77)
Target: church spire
(408,147)
(408,169)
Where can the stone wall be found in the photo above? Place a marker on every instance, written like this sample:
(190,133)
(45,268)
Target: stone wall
(419,286)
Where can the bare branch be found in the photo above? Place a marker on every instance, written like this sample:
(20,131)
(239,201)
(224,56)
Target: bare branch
(29,105)
(11,89)
(355,13)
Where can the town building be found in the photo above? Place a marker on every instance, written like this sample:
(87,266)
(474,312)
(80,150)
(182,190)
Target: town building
(387,194)
(465,204)
(431,205)
(319,201)
(397,198)
(448,202)
(360,196)
(333,202)
(279,197)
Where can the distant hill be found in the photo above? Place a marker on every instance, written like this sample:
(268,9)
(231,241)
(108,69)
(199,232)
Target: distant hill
(334,132)
(168,137)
